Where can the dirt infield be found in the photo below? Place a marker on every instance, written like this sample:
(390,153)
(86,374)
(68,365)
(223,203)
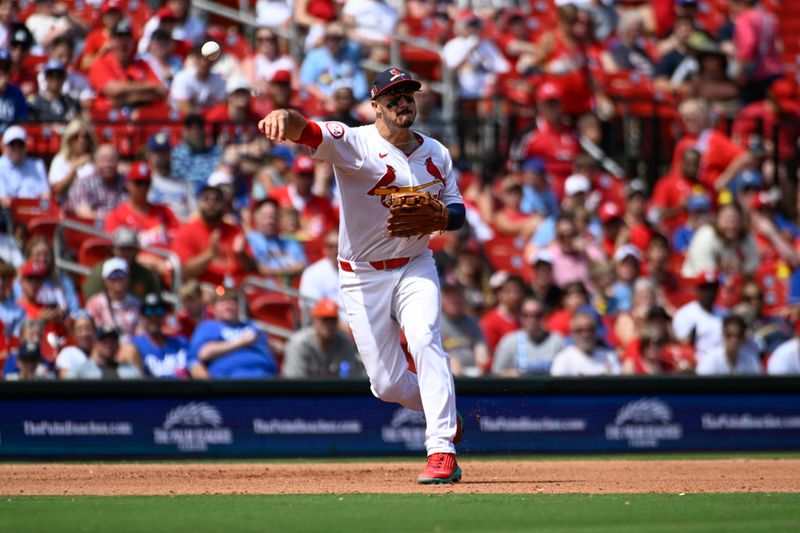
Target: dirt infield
(512,476)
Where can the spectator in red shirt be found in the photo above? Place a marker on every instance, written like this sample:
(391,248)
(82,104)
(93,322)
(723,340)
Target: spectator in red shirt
(155,224)
(552,139)
(98,42)
(780,108)
(33,275)
(574,295)
(510,219)
(720,158)
(639,231)
(278,93)
(673,191)
(317,215)
(210,248)
(236,109)
(120,78)
(504,317)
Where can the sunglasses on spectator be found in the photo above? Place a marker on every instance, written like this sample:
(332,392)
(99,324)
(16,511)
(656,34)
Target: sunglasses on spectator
(584,330)
(393,102)
(17,144)
(118,275)
(154,311)
(141,183)
(265,39)
(37,279)
(531,314)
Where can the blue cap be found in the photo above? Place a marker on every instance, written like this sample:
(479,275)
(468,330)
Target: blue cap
(533,164)
(698,203)
(749,179)
(686,2)
(54,65)
(159,142)
(283,152)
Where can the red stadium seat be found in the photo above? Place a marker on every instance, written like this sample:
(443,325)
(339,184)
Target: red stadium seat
(72,240)
(94,250)
(314,249)
(44,225)
(23,210)
(505,252)
(275,309)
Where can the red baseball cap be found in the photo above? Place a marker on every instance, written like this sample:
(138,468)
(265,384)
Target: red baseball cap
(548,91)
(707,277)
(609,211)
(33,269)
(111,5)
(139,171)
(325,308)
(303,164)
(281,76)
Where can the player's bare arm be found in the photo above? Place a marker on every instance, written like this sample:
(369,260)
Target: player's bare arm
(283,125)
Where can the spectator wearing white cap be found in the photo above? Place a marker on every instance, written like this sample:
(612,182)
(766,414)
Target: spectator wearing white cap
(20,176)
(115,306)
(627,260)
(577,189)
(125,245)
(195,89)
(237,107)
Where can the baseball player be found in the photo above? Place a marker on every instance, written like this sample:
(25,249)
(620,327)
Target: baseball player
(397,187)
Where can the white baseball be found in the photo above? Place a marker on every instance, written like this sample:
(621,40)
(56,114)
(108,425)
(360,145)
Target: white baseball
(211,50)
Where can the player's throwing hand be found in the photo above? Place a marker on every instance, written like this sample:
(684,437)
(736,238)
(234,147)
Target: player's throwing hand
(274,125)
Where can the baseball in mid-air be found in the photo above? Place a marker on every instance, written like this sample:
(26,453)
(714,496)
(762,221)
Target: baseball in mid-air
(211,50)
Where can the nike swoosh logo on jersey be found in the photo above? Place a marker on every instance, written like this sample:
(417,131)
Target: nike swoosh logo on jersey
(383,155)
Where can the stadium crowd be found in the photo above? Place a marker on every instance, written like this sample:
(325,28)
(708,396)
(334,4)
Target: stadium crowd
(569,265)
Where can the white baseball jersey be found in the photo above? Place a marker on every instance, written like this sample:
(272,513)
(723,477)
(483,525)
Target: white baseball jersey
(368,168)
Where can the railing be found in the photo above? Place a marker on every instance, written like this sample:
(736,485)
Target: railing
(66,264)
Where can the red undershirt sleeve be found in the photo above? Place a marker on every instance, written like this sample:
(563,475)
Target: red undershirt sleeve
(311,136)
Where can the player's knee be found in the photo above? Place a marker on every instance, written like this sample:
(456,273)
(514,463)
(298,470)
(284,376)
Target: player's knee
(420,341)
(386,391)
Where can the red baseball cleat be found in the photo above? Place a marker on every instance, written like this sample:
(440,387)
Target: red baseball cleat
(441,468)
(459,428)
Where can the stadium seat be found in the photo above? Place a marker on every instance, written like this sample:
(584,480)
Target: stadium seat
(505,252)
(23,210)
(94,250)
(72,239)
(314,250)
(44,226)
(275,309)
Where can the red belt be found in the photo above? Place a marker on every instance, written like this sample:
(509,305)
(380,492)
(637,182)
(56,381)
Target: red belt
(386,264)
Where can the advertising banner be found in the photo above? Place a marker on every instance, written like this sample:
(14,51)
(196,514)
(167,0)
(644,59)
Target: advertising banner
(274,426)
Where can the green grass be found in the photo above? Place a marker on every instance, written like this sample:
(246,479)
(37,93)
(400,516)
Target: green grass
(375,513)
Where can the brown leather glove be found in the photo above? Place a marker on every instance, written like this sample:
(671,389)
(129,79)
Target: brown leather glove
(416,214)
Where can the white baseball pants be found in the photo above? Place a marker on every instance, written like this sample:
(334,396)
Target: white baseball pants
(381,302)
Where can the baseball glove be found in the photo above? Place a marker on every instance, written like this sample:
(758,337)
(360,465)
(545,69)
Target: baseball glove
(416,214)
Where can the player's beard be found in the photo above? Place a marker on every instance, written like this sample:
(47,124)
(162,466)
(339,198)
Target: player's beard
(405,120)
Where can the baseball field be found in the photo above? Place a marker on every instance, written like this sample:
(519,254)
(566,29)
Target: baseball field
(722,492)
